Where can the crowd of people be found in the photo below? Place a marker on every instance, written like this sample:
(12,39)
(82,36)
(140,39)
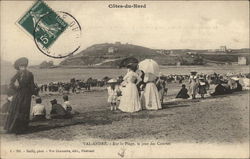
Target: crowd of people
(140,90)
(137,90)
(74,86)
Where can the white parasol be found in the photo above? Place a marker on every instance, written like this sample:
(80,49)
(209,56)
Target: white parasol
(149,66)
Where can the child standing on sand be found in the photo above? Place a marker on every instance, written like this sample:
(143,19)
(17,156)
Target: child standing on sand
(113,93)
(202,87)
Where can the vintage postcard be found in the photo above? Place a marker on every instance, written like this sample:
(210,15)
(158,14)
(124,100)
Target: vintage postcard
(124,79)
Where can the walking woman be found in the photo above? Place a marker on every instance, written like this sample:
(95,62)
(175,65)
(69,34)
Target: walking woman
(19,112)
(193,87)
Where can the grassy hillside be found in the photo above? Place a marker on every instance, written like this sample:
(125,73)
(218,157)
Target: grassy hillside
(99,55)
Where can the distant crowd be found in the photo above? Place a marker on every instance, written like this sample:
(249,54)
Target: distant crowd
(196,84)
(79,85)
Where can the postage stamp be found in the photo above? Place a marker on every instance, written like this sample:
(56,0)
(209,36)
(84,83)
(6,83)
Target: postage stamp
(51,30)
(70,39)
(49,27)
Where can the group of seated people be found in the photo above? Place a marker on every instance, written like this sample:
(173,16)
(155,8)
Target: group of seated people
(58,111)
(222,88)
(225,88)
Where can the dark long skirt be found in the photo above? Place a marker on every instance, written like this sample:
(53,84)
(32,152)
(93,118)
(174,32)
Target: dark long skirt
(19,112)
(202,89)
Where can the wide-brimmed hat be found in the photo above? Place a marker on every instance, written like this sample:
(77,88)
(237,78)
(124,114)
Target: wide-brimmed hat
(112,81)
(235,78)
(23,61)
(132,66)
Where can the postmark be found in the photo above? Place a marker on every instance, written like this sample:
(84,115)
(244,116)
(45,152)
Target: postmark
(56,34)
(67,44)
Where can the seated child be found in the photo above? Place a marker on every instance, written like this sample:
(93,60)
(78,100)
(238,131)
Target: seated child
(57,111)
(67,105)
(113,93)
(38,111)
(5,107)
(183,93)
(238,87)
(5,110)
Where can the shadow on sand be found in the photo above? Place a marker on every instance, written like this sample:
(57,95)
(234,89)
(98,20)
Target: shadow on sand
(100,117)
(104,117)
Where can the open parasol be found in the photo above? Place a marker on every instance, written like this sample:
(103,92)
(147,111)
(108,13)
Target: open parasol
(149,66)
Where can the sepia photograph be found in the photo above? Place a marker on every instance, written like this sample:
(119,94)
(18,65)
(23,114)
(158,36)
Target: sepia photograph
(124,79)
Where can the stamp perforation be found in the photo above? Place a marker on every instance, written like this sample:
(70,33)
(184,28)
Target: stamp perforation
(26,14)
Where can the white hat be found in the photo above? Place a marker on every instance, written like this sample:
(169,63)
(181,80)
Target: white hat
(235,78)
(112,81)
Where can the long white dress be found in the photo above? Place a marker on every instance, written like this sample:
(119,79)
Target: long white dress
(130,101)
(151,94)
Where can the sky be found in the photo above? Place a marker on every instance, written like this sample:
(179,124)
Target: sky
(161,25)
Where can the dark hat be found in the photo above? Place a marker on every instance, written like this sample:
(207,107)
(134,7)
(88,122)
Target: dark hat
(201,78)
(132,66)
(54,101)
(193,72)
(129,65)
(23,61)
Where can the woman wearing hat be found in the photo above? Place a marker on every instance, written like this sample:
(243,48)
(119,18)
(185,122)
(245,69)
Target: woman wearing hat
(193,88)
(19,112)
(130,101)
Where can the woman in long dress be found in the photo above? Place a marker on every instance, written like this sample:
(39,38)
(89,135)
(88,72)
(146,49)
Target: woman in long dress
(19,112)
(193,87)
(140,87)
(130,101)
(151,94)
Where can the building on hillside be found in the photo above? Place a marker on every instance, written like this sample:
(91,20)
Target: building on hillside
(191,53)
(223,48)
(171,53)
(162,51)
(212,50)
(112,50)
(242,60)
